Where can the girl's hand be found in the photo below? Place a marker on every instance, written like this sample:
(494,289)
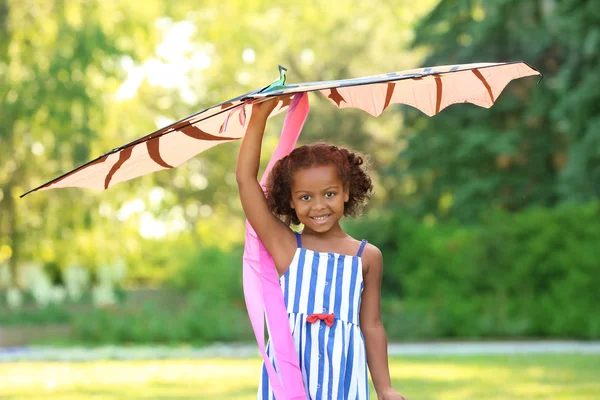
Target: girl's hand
(264,108)
(391,394)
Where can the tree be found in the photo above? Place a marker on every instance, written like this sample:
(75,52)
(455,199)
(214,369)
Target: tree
(58,60)
(84,77)
(538,145)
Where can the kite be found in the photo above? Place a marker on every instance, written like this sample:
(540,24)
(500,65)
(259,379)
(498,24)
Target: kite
(428,89)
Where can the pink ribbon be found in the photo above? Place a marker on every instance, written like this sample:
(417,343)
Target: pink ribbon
(261,281)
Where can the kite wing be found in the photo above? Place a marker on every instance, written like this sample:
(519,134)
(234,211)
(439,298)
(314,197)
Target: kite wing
(427,89)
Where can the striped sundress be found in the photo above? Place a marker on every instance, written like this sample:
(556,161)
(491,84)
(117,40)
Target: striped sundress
(331,348)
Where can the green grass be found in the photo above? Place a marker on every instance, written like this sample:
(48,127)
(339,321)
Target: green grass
(556,377)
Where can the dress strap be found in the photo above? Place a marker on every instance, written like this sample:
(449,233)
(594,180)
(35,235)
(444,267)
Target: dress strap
(362,247)
(298,240)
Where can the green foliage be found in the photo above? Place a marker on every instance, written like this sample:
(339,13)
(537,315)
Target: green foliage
(64,66)
(213,272)
(532,274)
(51,314)
(80,78)
(209,305)
(59,63)
(538,145)
(556,267)
(535,274)
(198,319)
(202,302)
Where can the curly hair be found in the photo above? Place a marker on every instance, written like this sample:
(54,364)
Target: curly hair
(351,166)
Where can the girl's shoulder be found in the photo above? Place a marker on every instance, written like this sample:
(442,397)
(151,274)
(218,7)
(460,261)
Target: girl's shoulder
(372,258)
(372,252)
(365,248)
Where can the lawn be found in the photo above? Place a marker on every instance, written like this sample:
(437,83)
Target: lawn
(556,377)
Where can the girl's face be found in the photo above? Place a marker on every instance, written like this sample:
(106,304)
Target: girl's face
(318,197)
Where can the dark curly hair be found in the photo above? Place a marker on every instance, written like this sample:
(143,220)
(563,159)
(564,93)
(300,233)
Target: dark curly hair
(352,169)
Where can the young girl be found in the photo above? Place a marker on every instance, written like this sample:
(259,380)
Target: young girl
(330,281)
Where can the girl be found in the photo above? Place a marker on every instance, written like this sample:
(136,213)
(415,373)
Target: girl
(331,282)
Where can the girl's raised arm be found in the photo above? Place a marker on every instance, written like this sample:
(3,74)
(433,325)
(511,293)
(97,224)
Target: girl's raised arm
(277,237)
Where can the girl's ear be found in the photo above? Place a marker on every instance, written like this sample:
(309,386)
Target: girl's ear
(346,193)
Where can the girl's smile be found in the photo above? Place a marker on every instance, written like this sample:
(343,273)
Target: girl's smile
(321,220)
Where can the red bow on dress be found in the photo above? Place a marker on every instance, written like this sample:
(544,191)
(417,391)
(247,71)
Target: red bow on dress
(327,318)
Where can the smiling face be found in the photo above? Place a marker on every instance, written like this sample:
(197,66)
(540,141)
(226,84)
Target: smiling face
(318,197)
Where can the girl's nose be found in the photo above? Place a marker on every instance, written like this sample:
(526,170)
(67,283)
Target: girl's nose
(319,205)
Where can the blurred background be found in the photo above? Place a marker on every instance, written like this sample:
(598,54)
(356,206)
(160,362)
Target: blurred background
(489,220)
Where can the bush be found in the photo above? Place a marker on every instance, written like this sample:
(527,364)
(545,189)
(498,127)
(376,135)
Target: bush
(46,315)
(554,264)
(210,308)
(533,274)
(198,320)
(214,272)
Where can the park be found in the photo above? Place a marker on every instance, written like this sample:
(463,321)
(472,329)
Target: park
(487,217)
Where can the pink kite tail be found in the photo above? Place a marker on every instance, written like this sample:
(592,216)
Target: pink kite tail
(261,281)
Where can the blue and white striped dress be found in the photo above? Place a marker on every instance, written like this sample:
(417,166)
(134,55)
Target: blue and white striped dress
(332,359)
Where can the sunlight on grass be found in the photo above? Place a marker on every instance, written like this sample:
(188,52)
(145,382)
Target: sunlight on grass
(559,377)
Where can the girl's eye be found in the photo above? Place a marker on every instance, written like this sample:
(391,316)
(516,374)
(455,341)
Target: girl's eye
(305,197)
(329,195)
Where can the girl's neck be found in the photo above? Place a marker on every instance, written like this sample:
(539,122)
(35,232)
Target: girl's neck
(334,240)
(335,232)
